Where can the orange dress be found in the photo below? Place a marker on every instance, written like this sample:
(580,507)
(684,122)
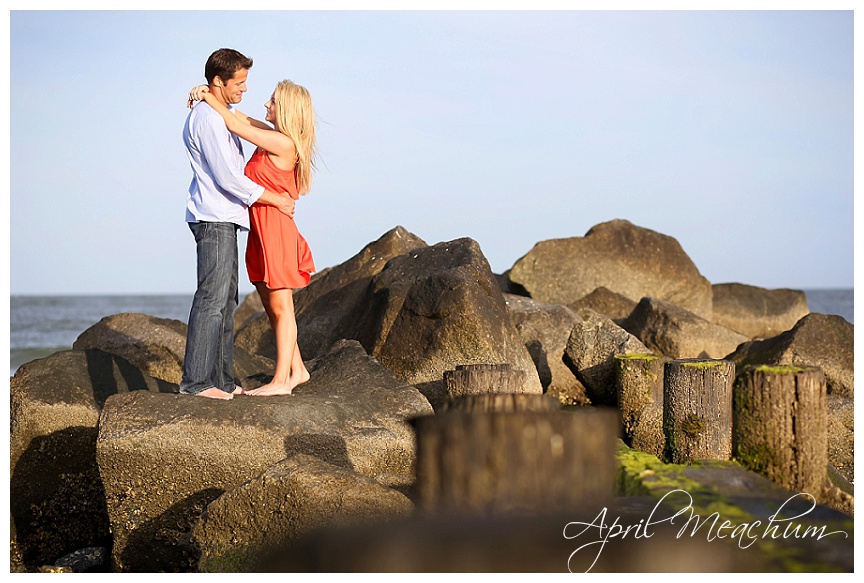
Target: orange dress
(276,252)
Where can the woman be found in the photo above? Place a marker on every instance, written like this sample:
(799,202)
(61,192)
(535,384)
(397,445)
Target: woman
(278,259)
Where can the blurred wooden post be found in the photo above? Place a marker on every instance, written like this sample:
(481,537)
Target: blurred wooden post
(697,410)
(638,383)
(515,463)
(781,424)
(502,403)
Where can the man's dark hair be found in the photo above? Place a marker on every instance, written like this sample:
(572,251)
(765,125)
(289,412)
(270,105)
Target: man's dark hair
(223,63)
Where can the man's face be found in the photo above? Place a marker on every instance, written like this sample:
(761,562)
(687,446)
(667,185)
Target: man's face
(233,89)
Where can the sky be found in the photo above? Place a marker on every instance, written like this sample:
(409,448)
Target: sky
(731,131)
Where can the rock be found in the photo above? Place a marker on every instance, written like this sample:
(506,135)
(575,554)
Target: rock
(745,497)
(57,501)
(164,458)
(85,560)
(292,499)
(329,307)
(815,340)
(841,435)
(250,306)
(252,370)
(419,313)
(154,345)
(434,308)
(757,312)
(157,346)
(256,337)
(544,329)
(629,260)
(508,287)
(606,302)
(590,353)
(674,332)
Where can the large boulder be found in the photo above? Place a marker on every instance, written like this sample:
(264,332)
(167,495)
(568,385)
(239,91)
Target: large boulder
(544,329)
(815,340)
(674,332)
(757,312)
(590,353)
(157,346)
(292,499)
(164,458)
(603,301)
(328,308)
(250,306)
(629,260)
(256,337)
(57,500)
(438,307)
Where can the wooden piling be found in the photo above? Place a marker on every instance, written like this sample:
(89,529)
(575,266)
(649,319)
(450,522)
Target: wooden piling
(697,410)
(477,379)
(502,403)
(515,463)
(781,421)
(638,383)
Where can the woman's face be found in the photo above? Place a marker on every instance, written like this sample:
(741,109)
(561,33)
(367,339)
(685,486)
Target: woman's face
(270,106)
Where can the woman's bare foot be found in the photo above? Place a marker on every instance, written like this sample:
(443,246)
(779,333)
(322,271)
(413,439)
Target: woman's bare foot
(214,393)
(271,389)
(299,379)
(238,390)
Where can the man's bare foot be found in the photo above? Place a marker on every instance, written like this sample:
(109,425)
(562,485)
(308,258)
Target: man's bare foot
(271,389)
(214,393)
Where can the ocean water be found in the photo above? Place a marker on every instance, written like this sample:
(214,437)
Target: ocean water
(42,325)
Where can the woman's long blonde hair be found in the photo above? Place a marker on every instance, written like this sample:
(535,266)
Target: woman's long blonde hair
(296,119)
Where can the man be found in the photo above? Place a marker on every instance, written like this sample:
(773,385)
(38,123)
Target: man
(216,208)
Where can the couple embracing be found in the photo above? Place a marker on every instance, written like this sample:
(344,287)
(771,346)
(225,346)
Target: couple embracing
(226,196)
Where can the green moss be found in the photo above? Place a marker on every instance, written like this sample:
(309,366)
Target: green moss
(779,369)
(693,425)
(703,364)
(642,474)
(755,457)
(225,561)
(621,360)
(636,356)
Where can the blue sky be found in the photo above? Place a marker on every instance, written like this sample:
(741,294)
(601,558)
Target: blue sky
(731,131)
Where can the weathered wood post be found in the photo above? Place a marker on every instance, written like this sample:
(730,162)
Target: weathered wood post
(478,379)
(492,387)
(697,409)
(639,383)
(781,424)
(515,462)
(502,403)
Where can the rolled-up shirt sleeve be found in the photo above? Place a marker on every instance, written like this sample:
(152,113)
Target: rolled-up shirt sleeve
(217,150)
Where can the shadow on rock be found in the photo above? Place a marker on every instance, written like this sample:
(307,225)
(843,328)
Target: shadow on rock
(62,510)
(328,448)
(172,529)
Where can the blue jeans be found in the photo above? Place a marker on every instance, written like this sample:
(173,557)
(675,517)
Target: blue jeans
(209,360)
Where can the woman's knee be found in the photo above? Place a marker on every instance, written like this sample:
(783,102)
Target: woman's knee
(281,303)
